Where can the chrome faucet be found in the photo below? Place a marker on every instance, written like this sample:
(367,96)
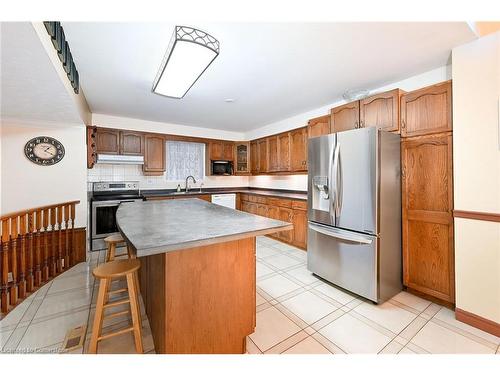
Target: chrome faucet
(187,186)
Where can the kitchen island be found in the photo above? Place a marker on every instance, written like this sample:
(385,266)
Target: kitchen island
(197,277)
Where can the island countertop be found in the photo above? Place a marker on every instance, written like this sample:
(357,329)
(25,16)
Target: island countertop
(161,226)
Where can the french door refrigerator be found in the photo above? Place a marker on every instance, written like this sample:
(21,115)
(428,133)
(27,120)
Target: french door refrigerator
(354,211)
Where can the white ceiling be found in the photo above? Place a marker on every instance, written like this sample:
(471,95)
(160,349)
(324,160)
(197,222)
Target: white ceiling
(30,89)
(272,71)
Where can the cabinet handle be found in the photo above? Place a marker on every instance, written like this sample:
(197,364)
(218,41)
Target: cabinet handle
(403,125)
(356,126)
(361,124)
(403,172)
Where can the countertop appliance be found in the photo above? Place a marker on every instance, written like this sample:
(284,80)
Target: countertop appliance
(105,199)
(221,167)
(354,211)
(226,200)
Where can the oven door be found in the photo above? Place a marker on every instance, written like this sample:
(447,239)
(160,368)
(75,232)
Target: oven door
(103,218)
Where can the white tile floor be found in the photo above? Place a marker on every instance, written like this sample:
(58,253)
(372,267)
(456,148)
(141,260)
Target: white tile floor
(296,313)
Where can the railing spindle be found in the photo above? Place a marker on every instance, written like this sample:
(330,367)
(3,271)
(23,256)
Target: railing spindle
(38,248)
(30,280)
(13,259)
(60,256)
(22,257)
(4,300)
(66,237)
(52,263)
(45,269)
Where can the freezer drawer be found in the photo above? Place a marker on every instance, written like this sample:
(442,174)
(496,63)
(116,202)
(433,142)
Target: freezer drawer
(345,258)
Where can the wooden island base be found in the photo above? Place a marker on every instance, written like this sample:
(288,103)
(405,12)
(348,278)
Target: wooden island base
(201,300)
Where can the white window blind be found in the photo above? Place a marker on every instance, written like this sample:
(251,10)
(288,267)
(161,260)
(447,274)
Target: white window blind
(184,159)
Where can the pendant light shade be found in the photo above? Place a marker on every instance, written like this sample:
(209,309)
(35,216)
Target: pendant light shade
(189,54)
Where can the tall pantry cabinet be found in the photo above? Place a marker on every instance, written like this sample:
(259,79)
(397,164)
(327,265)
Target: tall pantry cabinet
(427,192)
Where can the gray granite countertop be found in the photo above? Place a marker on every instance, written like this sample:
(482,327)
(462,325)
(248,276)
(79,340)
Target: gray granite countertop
(160,226)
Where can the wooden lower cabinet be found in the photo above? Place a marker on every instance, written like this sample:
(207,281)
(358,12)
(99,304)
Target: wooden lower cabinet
(427,199)
(291,211)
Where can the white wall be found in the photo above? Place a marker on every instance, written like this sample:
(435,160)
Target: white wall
(27,185)
(476,164)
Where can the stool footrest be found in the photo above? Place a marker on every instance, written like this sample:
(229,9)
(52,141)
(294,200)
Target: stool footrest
(114,315)
(116,333)
(118,291)
(117,303)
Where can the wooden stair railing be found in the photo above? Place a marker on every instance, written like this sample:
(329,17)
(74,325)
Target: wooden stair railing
(37,244)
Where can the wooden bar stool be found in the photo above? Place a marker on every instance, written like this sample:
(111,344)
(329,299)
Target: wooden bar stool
(106,273)
(111,242)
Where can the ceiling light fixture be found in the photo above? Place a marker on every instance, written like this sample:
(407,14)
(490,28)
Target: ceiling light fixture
(189,54)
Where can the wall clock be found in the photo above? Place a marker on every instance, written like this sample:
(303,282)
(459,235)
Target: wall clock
(44,150)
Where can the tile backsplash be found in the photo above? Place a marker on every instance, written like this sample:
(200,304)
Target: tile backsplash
(117,172)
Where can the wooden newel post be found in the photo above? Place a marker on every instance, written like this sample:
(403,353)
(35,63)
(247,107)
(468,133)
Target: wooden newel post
(60,256)
(72,259)
(52,263)
(66,237)
(45,269)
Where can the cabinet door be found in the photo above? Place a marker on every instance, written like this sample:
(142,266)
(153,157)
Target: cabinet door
(300,228)
(263,155)
(131,143)
(426,111)
(107,141)
(284,152)
(254,158)
(273,154)
(252,208)
(318,126)
(286,214)
(216,150)
(228,151)
(428,254)
(298,150)
(242,158)
(154,154)
(273,213)
(262,210)
(345,117)
(381,111)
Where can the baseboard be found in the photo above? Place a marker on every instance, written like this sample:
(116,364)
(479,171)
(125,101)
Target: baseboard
(477,321)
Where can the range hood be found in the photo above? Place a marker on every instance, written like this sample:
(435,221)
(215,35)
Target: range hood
(120,159)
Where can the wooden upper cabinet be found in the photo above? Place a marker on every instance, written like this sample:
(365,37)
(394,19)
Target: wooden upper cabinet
(426,111)
(131,143)
(154,154)
(273,154)
(216,150)
(381,110)
(298,150)
(242,161)
(107,141)
(345,117)
(284,152)
(227,151)
(262,147)
(318,126)
(254,158)
(427,221)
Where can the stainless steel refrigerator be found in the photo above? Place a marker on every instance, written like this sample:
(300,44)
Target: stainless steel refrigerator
(354,211)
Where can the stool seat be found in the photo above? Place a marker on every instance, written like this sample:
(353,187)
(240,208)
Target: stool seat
(116,268)
(114,238)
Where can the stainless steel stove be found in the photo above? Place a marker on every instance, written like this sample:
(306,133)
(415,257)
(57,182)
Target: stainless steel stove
(106,197)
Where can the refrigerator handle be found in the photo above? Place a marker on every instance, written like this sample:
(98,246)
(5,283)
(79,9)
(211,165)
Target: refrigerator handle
(342,234)
(332,192)
(334,174)
(340,184)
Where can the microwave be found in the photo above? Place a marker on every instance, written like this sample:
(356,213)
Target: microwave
(221,168)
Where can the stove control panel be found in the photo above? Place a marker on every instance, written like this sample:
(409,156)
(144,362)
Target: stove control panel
(115,186)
